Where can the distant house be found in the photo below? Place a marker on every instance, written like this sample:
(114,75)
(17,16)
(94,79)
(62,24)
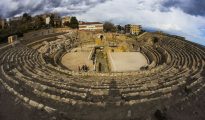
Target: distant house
(57,21)
(12,39)
(65,19)
(48,19)
(52,17)
(3,23)
(133,29)
(91,26)
(16,18)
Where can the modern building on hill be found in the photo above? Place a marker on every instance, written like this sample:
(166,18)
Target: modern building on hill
(66,19)
(91,26)
(3,23)
(57,21)
(12,39)
(16,18)
(54,18)
(133,29)
(48,19)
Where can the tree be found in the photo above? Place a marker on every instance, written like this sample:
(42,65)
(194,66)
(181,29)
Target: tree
(26,17)
(66,23)
(109,27)
(52,19)
(119,28)
(73,23)
(39,22)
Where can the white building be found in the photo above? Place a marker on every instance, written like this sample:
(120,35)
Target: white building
(66,19)
(12,39)
(3,23)
(48,19)
(91,26)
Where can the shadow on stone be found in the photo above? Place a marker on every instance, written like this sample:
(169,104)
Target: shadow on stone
(114,96)
(159,115)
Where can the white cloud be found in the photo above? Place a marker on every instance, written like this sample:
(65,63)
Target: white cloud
(148,14)
(177,16)
(10,8)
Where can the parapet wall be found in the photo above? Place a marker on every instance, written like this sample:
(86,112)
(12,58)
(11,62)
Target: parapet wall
(44,32)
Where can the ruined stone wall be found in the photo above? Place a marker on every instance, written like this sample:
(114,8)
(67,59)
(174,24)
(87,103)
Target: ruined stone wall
(44,32)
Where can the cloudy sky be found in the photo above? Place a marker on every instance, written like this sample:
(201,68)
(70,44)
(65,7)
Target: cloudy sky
(181,17)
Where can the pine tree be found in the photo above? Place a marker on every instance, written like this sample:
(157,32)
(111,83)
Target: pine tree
(73,23)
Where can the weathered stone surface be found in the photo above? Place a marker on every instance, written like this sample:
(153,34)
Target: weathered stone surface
(33,103)
(49,109)
(129,113)
(73,102)
(26,99)
(171,68)
(40,106)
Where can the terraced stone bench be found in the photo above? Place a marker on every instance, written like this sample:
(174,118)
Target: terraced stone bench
(175,69)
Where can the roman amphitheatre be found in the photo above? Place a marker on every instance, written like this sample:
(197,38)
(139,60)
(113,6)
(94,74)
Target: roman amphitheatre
(76,75)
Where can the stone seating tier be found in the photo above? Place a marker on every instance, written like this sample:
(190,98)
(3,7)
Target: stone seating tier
(26,75)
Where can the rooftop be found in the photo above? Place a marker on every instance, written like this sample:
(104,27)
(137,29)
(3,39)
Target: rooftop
(89,23)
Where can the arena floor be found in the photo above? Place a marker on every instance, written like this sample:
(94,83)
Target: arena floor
(126,61)
(78,57)
(75,59)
